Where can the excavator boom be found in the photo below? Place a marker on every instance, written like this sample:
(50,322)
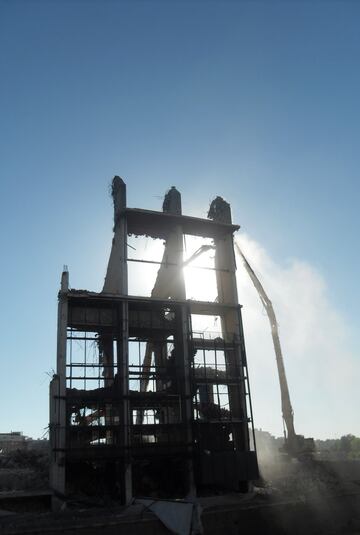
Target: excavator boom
(294,444)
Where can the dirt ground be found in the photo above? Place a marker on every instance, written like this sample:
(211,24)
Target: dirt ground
(312,498)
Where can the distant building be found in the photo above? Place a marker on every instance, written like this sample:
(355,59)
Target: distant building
(15,440)
(12,441)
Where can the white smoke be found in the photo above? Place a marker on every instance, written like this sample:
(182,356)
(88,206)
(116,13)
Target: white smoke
(322,371)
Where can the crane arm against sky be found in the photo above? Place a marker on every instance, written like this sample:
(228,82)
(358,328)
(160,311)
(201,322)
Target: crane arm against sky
(294,444)
(287,410)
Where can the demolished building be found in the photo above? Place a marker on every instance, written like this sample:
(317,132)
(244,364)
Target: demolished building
(142,404)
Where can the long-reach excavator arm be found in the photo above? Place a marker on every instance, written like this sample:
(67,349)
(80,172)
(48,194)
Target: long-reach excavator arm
(295,445)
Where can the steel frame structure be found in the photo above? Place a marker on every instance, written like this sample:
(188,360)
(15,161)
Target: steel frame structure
(141,404)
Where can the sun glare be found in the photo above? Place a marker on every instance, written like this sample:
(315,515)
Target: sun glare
(200,279)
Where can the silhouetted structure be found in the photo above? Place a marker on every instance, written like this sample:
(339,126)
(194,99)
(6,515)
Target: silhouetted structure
(141,404)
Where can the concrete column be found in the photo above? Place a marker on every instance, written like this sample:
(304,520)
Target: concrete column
(231,329)
(125,416)
(116,282)
(183,364)
(58,401)
(170,280)
(170,283)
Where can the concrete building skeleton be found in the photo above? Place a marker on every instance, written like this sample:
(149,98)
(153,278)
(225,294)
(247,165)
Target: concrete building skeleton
(141,404)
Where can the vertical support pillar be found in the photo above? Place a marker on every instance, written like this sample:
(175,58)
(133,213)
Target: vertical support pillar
(170,280)
(116,282)
(183,366)
(227,294)
(125,416)
(58,402)
(170,283)
(116,275)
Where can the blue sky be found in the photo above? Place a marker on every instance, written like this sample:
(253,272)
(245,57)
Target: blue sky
(254,101)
